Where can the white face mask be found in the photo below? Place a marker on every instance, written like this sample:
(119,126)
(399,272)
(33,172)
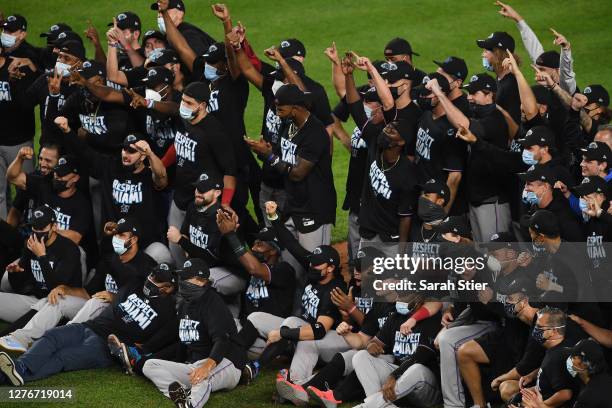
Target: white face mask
(119,246)
(155,52)
(368,111)
(8,40)
(161,24)
(63,69)
(276,85)
(152,95)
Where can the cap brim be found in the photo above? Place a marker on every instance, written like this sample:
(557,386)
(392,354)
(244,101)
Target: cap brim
(318,259)
(484,44)
(154,6)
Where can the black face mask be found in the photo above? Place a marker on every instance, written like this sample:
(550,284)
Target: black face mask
(41,236)
(425,103)
(383,141)
(394,92)
(430,212)
(59,185)
(259,256)
(130,168)
(313,276)
(151,290)
(190,291)
(480,111)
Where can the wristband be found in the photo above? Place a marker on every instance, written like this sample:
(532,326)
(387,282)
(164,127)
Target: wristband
(235,244)
(150,103)
(272,217)
(352,309)
(228,194)
(271,158)
(420,314)
(290,334)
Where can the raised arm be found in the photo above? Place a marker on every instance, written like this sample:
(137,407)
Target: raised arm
(337,74)
(221,11)
(528,100)
(454,115)
(92,35)
(112,61)
(14,173)
(530,40)
(386,99)
(177,40)
(291,76)
(567,76)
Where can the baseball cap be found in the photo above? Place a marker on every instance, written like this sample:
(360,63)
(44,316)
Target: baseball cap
(324,254)
(538,136)
(498,39)
(127,225)
(91,68)
(292,47)
(598,151)
(206,183)
(162,57)
(65,165)
(73,48)
(153,34)
(158,75)
(591,353)
(164,272)
(499,240)
(365,257)
(370,95)
(398,46)
(395,71)
(378,65)
(545,222)
(42,216)
(65,36)
(548,59)
(269,236)
(295,65)
(591,184)
(597,94)
(130,140)
(454,66)
(15,22)
(539,172)
(290,94)
(172,4)
(542,94)
(442,81)
(54,30)
(437,187)
(127,19)
(215,53)
(455,224)
(194,267)
(198,91)
(481,82)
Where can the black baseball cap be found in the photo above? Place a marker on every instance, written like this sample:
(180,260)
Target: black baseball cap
(455,224)
(158,75)
(545,222)
(591,353)
(130,139)
(396,71)
(73,48)
(365,257)
(538,136)
(54,30)
(454,66)
(548,59)
(295,65)
(91,68)
(597,94)
(153,34)
(15,22)
(127,225)
(269,236)
(498,39)
(378,64)
(499,240)
(42,216)
(162,57)
(65,165)
(542,94)
(442,81)
(292,47)
(215,53)
(598,151)
(591,184)
(206,183)
(194,267)
(398,46)
(164,272)
(324,254)
(198,91)
(437,187)
(481,82)
(370,95)
(290,94)
(127,19)
(172,4)
(65,36)
(539,172)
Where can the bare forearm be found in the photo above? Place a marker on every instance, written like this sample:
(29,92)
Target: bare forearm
(454,115)
(528,100)
(112,67)
(160,177)
(352,95)
(15,174)
(229,182)
(291,76)
(100,56)
(382,89)
(338,80)
(179,43)
(454,178)
(71,235)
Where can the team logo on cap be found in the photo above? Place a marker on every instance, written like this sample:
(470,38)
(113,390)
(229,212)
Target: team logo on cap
(121,221)
(38,214)
(54,27)
(203,177)
(61,36)
(187,264)
(131,138)
(150,32)
(10,19)
(474,78)
(389,66)
(164,267)
(285,44)
(587,90)
(317,251)
(586,180)
(152,73)
(121,17)
(86,64)
(494,237)
(212,48)
(529,132)
(360,254)
(426,79)
(62,161)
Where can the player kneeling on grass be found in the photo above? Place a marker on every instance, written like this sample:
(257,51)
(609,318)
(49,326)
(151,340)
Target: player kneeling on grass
(140,314)
(207,333)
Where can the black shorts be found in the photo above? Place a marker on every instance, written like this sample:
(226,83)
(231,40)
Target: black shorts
(498,351)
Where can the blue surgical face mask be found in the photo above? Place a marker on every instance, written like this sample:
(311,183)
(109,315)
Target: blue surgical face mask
(161,24)
(529,197)
(186,113)
(119,245)
(487,65)
(402,308)
(528,158)
(584,206)
(8,40)
(63,69)
(211,73)
(570,367)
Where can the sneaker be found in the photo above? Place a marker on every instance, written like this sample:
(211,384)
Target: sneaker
(322,398)
(7,367)
(179,395)
(12,344)
(291,392)
(249,373)
(119,351)
(282,375)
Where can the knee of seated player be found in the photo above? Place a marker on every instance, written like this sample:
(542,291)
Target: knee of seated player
(507,389)
(471,352)
(360,357)
(149,367)
(254,317)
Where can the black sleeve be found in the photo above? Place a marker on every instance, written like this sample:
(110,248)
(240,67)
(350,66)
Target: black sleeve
(292,245)
(321,107)
(63,270)
(195,251)
(219,330)
(166,335)
(508,161)
(532,358)
(223,151)
(386,333)
(341,110)
(38,90)
(358,113)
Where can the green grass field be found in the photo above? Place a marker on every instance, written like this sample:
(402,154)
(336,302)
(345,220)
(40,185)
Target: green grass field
(436,29)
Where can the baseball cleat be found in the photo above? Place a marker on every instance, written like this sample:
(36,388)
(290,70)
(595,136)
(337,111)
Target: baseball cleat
(7,366)
(119,351)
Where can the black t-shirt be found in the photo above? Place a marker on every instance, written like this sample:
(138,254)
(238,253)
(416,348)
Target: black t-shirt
(72,213)
(198,40)
(400,345)
(595,392)
(200,148)
(204,237)
(112,274)
(16,111)
(312,200)
(553,376)
(319,103)
(60,266)
(25,201)
(206,328)
(508,96)
(599,232)
(274,297)
(376,317)
(569,225)
(135,76)
(462,104)
(437,150)
(408,118)
(316,301)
